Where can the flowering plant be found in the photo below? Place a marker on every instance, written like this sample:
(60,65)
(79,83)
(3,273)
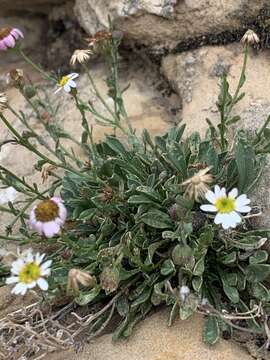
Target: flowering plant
(132,229)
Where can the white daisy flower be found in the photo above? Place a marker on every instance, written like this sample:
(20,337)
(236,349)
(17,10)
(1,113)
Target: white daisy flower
(28,271)
(67,83)
(226,206)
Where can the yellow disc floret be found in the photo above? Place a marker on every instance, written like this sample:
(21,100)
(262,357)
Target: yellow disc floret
(29,273)
(62,82)
(47,210)
(225,205)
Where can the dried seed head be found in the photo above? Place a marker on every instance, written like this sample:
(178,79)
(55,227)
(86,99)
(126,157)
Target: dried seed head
(109,279)
(197,185)
(16,78)
(3,102)
(80,56)
(46,171)
(107,194)
(250,38)
(78,277)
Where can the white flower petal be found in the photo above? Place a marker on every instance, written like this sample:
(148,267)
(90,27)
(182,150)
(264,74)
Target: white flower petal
(243,209)
(12,280)
(46,265)
(31,285)
(208,207)
(73,76)
(39,258)
(67,88)
(233,193)
(17,266)
(242,200)
(217,191)
(210,196)
(42,283)
(71,83)
(20,288)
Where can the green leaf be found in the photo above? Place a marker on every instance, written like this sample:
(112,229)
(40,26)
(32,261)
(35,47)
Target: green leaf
(145,295)
(229,258)
(86,298)
(188,307)
(199,267)
(197,282)
(260,292)
(153,248)
(184,202)
(167,267)
(122,305)
(231,292)
(140,199)
(148,191)
(257,272)
(245,160)
(156,219)
(259,257)
(211,330)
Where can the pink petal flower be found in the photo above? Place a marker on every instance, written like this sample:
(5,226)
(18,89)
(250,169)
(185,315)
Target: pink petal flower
(2,45)
(9,41)
(50,229)
(17,33)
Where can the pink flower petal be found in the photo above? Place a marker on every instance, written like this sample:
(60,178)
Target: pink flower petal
(62,212)
(9,41)
(17,33)
(2,45)
(50,229)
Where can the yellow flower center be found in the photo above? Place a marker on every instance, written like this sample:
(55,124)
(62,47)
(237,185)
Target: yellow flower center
(47,210)
(62,82)
(29,273)
(225,205)
(5,32)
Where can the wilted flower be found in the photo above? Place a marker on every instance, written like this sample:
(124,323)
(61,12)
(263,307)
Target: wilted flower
(8,37)
(67,83)
(78,277)
(16,78)
(3,102)
(28,271)
(99,37)
(250,38)
(184,292)
(80,56)
(48,216)
(46,171)
(227,207)
(197,185)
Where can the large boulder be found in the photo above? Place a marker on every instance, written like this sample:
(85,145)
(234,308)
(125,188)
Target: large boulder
(194,75)
(167,22)
(28,5)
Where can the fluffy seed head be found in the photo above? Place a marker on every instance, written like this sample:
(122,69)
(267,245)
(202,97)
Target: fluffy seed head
(197,185)
(80,56)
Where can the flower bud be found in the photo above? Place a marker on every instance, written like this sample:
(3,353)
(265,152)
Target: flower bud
(78,277)
(250,38)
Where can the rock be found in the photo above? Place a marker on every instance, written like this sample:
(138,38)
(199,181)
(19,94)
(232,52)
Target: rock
(38,6)
(153,340)
(165,23)
(194,75)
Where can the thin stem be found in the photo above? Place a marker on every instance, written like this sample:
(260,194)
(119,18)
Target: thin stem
(36,67)
(240,82)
